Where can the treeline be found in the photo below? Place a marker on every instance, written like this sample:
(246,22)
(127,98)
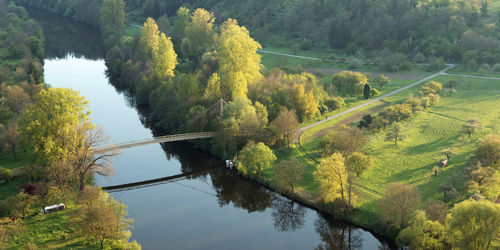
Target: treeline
(179,77)
(86,11)
(454,30)
(385,32)
(21,70)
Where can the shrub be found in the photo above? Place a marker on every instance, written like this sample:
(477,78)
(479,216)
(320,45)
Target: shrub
(5,174)
(374,91)
(335,103)
(354,63)
(485,68)
(496,68)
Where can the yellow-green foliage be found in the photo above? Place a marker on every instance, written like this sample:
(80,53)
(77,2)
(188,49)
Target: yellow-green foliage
(164,58)
(475,225)
(423,234)
(239,63)
(255,159)
(331,175)
(50,122)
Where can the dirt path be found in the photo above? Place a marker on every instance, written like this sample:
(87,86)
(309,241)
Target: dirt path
(352,119)
(442,72)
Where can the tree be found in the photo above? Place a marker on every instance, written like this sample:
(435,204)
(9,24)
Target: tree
(431,87)
(423,234)
(239,63)
(181,22)
(83,158)
(448,191)
(345,140)
(488,151)
(415,103)
(100,217)
(359,163)
(448,153)
(255,158)
(150,38)
(471,126)
(48,124)
(213,90)
(366,91)
(288,173)
(332,177)
(483,179)
(14,97)
(436,210)
(305,102)
(241,121)
(349,82)
(112,21)
(285,125)
(381,80)
(451,85)
(474,225)
(164,58)
(399,203)
(199,34)
(10,138)
(395,134)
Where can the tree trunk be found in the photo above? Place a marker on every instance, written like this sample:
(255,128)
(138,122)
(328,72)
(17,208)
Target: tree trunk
(102,243)
(82,181)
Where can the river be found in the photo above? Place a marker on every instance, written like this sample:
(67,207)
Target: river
(208,207)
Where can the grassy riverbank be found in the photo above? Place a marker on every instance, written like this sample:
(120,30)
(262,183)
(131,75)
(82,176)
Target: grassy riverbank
(412,161)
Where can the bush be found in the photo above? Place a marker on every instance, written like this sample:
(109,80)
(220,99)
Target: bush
(354,63)
(485,68)
(5,174)
(374,91)
(496,68)
(335,103)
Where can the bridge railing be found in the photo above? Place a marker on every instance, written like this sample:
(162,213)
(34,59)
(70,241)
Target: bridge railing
(159,139)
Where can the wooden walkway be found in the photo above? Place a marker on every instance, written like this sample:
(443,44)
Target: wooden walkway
(154,140)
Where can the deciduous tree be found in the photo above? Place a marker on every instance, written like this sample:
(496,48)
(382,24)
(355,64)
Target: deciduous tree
(488,151)
(381,80)
(48,124)
(285,125)
(239,63)
(395,134)
(399,203)
(474,225)
(423,234)
(112,20)
(471,126)
(359,163)
(288,173)
(332,177)
(164,58)
(255,158)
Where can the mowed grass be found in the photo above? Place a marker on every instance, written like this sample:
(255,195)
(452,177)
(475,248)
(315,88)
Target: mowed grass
(412,161)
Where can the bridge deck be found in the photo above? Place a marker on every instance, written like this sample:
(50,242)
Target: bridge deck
(154,140)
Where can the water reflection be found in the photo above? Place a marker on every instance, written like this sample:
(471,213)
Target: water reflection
(337,235)
(63,36)
(287,215)
(209,207)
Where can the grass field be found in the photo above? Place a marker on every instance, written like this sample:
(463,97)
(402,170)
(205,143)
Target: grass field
(49,231)
(412,161)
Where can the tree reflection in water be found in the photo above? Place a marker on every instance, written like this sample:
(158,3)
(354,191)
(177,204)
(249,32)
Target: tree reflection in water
(243,194)
(337,235)
(288,216)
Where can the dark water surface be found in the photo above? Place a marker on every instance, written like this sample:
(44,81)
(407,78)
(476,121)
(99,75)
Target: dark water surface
(206,207)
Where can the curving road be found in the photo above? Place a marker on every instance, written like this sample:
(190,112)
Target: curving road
(442,72)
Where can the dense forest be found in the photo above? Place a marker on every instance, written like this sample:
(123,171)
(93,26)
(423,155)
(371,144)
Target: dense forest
(459,31)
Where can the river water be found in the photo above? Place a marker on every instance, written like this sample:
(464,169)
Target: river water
(207,207)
